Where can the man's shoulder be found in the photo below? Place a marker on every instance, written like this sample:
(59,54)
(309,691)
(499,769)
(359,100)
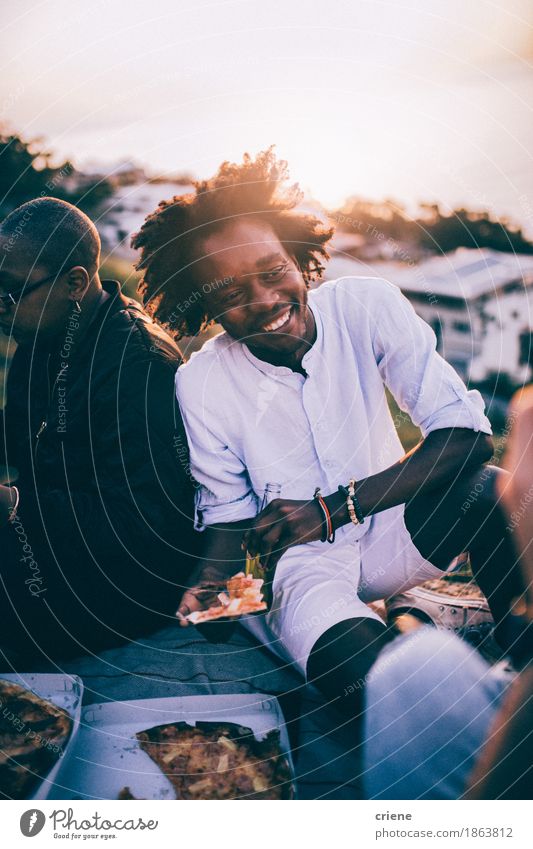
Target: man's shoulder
(131,334)
(353,295)
(358,285)
(209,363)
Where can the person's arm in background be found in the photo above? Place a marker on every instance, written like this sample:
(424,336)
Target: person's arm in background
(505,767)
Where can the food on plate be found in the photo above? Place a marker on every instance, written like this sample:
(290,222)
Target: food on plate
(243,595)
(457,589)
(218,761)
(33,734)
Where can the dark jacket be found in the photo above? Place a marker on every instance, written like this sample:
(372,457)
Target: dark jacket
(104,540)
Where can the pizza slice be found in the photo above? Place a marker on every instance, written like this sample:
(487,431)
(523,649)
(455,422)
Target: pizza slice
(33,735)
(218,761)
(243,595)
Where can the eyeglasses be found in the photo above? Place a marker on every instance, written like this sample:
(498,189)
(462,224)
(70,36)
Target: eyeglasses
(13,298)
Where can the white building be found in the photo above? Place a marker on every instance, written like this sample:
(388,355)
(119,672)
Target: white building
(128,208)
(479,303)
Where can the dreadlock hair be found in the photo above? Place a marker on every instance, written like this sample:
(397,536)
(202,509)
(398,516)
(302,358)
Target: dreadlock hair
(169,236)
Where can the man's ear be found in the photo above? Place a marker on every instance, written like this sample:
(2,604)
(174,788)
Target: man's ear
(78,282)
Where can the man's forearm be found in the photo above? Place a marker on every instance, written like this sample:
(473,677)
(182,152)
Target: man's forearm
(222,555)
(428,465)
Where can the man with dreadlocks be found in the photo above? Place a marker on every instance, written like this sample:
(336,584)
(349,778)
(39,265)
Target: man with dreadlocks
(293,392)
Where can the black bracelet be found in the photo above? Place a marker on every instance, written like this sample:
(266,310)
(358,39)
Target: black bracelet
(355,501)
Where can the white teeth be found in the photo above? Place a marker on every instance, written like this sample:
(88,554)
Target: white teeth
(279,322)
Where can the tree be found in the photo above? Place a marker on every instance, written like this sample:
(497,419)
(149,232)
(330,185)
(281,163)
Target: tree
(431,230)
(26,173)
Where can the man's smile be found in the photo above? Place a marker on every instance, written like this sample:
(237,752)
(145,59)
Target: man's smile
(280,321)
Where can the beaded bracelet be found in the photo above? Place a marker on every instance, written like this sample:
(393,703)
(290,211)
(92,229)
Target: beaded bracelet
(352,503)
(329,534)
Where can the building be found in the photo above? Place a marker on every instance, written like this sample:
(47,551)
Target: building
(128,208)
(478,302)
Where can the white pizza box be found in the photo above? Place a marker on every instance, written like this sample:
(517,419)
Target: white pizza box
(65,691)
(107,756)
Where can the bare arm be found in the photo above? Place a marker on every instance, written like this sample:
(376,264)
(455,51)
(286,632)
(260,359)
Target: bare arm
(438,458)
(431,463)
(284,523)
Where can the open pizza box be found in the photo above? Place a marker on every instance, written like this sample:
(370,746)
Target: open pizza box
(107,756)
(64,691)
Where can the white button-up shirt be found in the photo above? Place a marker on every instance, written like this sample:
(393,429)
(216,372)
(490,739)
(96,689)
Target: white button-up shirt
(250,423)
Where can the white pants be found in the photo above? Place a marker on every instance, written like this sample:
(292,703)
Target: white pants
(317,585)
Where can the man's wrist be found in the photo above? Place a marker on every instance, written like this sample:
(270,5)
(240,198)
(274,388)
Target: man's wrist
(336,504)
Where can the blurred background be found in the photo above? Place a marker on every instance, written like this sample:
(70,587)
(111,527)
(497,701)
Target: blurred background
(408,124)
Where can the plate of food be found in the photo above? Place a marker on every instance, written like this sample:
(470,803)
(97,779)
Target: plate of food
(39,720)
(241,596)
(189,748)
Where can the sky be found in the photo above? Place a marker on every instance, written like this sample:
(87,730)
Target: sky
(408,99)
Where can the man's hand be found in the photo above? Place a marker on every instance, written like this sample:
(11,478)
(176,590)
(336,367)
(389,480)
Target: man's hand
(206,584)
(281,525)
(222,557)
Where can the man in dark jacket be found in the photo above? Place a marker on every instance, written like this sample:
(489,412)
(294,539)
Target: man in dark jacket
(96,527)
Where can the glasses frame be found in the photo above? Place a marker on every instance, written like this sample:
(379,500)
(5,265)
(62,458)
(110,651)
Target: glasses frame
(10,299)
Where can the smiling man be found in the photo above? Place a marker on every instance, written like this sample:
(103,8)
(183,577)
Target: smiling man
(96,525)
(293,392)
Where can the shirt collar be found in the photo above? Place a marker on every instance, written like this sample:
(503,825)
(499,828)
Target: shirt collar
(268,368)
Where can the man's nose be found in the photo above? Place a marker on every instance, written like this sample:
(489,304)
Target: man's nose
(264,298)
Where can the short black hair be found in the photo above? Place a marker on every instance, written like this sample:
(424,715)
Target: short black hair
(61,234)
(254,189)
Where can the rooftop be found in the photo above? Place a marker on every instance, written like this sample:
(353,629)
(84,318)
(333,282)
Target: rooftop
(466,273)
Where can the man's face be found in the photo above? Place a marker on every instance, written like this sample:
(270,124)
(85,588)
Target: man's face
(253,288)
(42,312)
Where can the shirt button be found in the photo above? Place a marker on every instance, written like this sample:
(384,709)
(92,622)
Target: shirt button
(330,464)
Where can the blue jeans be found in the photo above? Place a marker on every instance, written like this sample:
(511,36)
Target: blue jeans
(430,702)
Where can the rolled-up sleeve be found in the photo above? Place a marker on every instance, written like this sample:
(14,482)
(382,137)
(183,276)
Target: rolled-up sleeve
(223,489)
(422,382)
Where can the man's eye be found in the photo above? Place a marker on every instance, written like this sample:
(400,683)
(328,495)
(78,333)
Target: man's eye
(275,273)
(231,297)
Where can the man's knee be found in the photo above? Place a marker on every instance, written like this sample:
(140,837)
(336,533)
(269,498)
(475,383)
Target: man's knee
(342,657)
(466,491)
(446,521)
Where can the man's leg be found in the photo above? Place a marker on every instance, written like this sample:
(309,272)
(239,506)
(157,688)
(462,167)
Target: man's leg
(341,659)
(319,623)
(430,701)
(466,516)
